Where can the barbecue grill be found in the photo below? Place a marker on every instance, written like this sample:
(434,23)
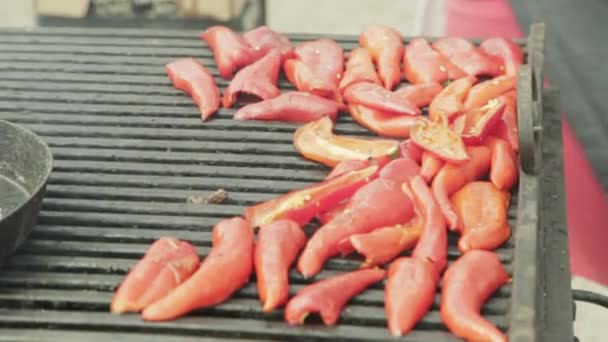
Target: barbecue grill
(130,150)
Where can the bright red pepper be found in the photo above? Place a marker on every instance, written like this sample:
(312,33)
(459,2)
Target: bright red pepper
(409,293)
(191,77)
(411,150)
(429,166)
(290,107)
(507,128)
(422,64)
(420,94)
(359,68)
(316,141)
(382,123)
(511,55)
(259,78)
(466,56)
(330,214)
(479,121)
(504,167)
(378,204)
(224,271)
(467,285)
(483,92)
(347,166)
(262,39)
(386,47)
(277,247)
(167,263)
(231,51)
(327,297)
(375,96)
(450,102)
(317,68)
(452,178)
(302,205)
(400,170)
(437,138)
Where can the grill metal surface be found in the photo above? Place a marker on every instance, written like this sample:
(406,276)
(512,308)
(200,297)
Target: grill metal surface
(129,151)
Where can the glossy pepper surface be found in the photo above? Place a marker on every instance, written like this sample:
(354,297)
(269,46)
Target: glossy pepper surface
(382,123)
(386,47)
(290,107)
(230,50)
(211,284)
(485,91)
(359,68)
(422,64)
(420,95)
(375,96)
(504,166)
(191,77)
(410,150)
(507,128)
(507,51)
(449,103)
(466,56)
(480,121)
(437,138)
(263,39)
(467,285)
(429,166)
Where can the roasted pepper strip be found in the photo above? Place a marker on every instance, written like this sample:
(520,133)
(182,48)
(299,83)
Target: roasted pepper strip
(330,214)
(467,285)
(378,204)
(452,178)
(400,170)
(483,92)
(347,166)
(191,77)
(302,205)
(504,167)
(277,247)
(259,78)
(382,123)
(482,216)
(316,141)
(509,53)
(420,95)
(437,138)
(225,270)
(262,39)
(411,150)
(507,128)
(429,166)
(231,51)
(290,107)
(450,102)
(466,56)
(479,121)
(422,64)
(386,47)
(167,263)
(327,297)
(359,68)
(376,97)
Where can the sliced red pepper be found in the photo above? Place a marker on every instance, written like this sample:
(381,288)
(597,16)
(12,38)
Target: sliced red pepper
(422,64)
(231,51)
(290,107)
(167,263)
(400,170)
(330,214)
(359,68)
(317,68)
(277,247)
(483,92)
(378,204)
(259,79)
(376,97)
(480,121)
(420,94)
(262,39)
(450,102)
(436,137)
(409,293)
(467,285)
(329,296)
(411,150)
(224,271)
(302,205)
(507,128)
(191,77)
(452,178)
(504,168)
(511,55)
(347,166)
(466,56)
(386,47)
(429,166)
(316,141)
(382,123)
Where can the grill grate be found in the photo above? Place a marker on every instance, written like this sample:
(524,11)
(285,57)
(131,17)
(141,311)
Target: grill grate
(129,151)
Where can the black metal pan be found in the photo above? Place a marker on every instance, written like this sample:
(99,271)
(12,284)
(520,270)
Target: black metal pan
(25,164)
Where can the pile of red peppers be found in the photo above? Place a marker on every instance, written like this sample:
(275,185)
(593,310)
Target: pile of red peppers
(449,171)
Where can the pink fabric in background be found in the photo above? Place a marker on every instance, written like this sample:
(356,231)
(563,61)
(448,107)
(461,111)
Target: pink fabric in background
(587,207)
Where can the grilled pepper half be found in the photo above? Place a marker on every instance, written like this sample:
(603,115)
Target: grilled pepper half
(422,64)
(386,47)
(231,51)
(291,106)
(191,77)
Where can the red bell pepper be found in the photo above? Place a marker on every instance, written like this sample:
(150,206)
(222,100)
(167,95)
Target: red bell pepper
(437,138)
(422,64)
(167,264)
(452,178)
(386,47)
(290,107)
(409,293)
(231,51)
(376,97)
(507,128)
(420,95)
(262,39)
(449,103)
(302,205)
(359,68)
(317,68)
(191,77)
(259,78)
(511,55)
(479,121)
(378,204)
(277,247)
(328,296)
(429,166)
(382,123)
(316,141)
(504,167)
(330,214)
(224,271)
(400,170)
(466,56)
(482,216)
(347,166)
(467,285)
(411,150)
(483,92)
